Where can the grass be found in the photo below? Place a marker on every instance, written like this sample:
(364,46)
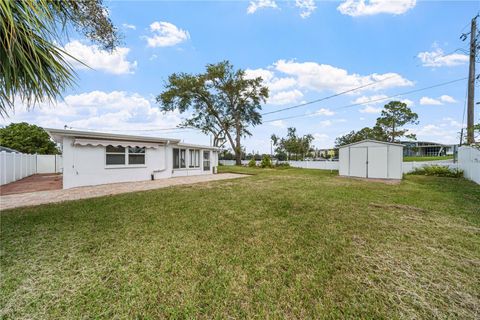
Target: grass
(411,159)
(288,243)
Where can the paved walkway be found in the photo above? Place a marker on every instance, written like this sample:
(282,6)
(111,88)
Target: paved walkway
(51,196)
(34,183)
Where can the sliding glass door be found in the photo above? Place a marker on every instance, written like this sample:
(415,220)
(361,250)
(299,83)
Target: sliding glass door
(206,160)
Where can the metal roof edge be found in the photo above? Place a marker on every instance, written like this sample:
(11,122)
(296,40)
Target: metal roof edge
(371,140)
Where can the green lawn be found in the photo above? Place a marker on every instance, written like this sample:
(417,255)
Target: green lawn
(410,159)
(287,243)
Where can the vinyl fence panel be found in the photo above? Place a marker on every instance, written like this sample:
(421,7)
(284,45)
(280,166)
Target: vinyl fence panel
(469,162)
(16,166)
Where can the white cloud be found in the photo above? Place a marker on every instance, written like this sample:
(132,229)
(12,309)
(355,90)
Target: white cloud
(129,26)
(285,97)
(408,102)
(278,123)
(324,112)
(116,110)
(258,4)
(437,102)
(371,100)
(426,101)
(357,8)
(166,34)
(318,77)
(307,7)
(436,133)
(370,109)
(320,137)
(447,99)
(325,123)
(438,59)
(114,62)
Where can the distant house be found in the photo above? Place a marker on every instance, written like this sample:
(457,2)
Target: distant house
(427,149)
(92,158)
(8,150)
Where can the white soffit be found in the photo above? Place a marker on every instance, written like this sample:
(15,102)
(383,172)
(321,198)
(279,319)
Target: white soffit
(98,142)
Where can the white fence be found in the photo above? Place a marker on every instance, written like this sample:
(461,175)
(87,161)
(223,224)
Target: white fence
(49,163)
(16,166)
(411,166)
(322,165)
(469,162)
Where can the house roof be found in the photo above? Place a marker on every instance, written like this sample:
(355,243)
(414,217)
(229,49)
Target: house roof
(373,141)
(57,133)
(9,150)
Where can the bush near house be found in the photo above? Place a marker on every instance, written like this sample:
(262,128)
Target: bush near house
(438,171)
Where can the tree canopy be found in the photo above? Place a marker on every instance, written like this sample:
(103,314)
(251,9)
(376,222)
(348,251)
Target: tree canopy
(27,138)
(292,145)
(389,126)
(222,100)
(375,133)
(33,66)
(394,116)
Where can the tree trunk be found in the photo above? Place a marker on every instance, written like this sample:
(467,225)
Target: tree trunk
(238,147)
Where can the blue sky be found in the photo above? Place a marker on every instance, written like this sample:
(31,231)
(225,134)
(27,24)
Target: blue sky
(305,50)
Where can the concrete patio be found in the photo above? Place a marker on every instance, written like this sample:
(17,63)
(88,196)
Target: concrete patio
(53,196)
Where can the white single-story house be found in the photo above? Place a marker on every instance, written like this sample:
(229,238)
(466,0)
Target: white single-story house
(371,159)
(92,158)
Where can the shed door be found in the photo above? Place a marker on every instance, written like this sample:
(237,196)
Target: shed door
(358,162)
(378,162)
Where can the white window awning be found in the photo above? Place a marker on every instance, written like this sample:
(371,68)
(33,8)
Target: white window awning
(98,142)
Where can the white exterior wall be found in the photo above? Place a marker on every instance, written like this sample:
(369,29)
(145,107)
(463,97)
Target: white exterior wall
(469,162)
(85,165)
(371,160)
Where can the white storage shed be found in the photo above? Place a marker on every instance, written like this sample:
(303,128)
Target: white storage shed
(371,159)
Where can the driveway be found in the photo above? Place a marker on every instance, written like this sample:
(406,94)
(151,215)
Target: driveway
(52,196)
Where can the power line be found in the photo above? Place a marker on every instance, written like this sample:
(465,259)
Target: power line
(328,97)
(371,101)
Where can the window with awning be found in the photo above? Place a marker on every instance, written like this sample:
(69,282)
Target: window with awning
(124,156)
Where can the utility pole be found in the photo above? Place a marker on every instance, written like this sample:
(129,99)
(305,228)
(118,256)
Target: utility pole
(471,82)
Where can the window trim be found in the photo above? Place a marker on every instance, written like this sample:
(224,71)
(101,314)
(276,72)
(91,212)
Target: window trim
(195,164)
(179,159)
(126,163)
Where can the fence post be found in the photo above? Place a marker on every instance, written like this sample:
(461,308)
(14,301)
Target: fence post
(4,167)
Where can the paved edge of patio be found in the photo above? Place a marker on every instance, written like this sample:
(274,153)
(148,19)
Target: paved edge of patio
(55,196)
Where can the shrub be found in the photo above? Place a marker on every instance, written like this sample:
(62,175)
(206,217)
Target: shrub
(266,162)
(252,163)
(282,165)
(438,171)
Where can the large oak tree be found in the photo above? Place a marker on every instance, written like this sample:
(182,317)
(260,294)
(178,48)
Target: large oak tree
(222,101)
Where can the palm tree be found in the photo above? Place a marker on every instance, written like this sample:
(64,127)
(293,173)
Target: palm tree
(33,67)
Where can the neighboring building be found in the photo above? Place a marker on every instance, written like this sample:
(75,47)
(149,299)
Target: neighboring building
(427,149)
(92,158)
(326,153)
(371,159)
(8,150)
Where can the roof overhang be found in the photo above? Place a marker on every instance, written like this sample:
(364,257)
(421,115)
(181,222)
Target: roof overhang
(373,141)
(58,134)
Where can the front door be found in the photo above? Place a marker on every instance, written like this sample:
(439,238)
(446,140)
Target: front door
(206,160)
